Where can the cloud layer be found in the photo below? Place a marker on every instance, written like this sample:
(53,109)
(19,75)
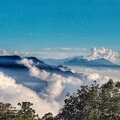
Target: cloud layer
(51,97)
(97,74)
(56,82)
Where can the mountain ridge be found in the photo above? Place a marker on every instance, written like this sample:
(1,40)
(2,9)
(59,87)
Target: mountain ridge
(81,61)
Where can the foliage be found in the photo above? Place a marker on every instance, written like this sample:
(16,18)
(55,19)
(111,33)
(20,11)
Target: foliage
(7,112)
(48,116)
(93,102)
(26,112)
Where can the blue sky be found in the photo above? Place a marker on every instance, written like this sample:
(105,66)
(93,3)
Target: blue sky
(30,25)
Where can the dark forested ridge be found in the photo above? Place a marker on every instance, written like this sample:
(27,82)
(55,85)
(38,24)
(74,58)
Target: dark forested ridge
(90,102)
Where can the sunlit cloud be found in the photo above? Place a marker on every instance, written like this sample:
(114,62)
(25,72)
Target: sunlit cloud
(11,92)
(108,54)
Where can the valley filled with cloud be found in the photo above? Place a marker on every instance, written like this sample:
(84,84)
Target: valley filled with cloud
(45,85)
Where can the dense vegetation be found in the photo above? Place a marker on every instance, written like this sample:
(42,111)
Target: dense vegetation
(93,102)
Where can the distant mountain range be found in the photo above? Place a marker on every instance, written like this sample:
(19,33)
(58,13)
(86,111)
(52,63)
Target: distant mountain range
(12,62)
(81,61)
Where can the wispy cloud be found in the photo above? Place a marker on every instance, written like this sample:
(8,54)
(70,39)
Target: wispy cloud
(65,49)
(55,54)
(46,49)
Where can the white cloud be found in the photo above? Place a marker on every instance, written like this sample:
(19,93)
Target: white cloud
(103,53)
(26,62)
(93,76)
(100,75)
(56,83)
(4,52)
(47,49)
(66,49)
(13,93)
(41,74)
(98,78)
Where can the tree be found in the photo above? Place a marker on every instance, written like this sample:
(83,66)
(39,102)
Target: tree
(93,102)
(48,116)
(26,112)
(7,112)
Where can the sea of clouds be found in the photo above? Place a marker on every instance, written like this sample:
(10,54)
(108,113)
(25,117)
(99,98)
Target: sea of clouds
(50,99)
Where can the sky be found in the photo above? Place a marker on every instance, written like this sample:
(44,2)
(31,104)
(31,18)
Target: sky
(32,25)
(57,29)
